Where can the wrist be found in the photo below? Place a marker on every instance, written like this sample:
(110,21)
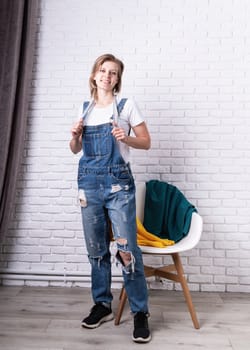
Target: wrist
(126,140)
(75,138)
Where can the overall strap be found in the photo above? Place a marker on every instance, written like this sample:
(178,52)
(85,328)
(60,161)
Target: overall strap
(120,108)
(117,108)
(87,107)
(121,105)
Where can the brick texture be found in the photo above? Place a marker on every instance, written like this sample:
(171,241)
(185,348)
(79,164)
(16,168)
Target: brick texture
(187,65)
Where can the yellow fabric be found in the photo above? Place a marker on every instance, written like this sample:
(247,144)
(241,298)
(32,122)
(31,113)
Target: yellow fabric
(145,238)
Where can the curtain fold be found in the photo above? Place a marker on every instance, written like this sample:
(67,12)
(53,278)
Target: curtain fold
(18,19)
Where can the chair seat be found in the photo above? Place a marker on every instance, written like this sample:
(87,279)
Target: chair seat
(187,243)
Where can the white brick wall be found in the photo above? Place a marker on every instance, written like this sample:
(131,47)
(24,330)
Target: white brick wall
(187,65)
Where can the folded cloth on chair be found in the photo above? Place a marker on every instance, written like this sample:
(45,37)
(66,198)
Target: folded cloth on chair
(167,212)
(145,238)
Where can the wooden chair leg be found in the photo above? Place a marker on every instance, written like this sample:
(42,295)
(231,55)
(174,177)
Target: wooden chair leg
(187,295)
(177,278)
(122,302)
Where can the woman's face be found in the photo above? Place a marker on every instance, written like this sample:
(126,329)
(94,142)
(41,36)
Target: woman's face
(106,77)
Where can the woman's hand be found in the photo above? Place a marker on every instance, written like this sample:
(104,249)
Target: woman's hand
(76,133)
(141,140)
(119,133)
(77,129)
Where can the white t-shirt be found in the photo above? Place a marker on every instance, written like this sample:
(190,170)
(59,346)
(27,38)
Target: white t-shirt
(130,116)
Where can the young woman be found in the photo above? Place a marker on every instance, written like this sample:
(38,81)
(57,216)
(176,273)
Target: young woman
(107,192)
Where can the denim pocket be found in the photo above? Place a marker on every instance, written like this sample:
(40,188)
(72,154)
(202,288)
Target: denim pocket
(95,145)
(86,180)
(123,176)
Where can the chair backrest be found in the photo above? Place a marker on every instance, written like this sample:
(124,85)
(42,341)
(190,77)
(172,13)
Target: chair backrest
(140,200)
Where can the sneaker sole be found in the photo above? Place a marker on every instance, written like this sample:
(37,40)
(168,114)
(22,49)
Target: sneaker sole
(109,317)
(142,340)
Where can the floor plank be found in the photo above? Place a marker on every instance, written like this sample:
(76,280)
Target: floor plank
(41,318)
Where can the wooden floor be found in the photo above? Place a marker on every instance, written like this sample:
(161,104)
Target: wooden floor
(49,318)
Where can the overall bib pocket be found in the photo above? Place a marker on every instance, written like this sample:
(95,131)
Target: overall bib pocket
(95,145)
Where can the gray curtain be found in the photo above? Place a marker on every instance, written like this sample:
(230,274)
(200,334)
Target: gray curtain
(18,19)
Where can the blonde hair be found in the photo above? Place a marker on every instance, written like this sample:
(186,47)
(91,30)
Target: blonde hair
(98,63)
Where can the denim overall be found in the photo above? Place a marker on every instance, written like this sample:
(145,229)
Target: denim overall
(107,191)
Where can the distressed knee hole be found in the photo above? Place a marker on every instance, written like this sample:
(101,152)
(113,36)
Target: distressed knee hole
(125,257)
(127,260)
(82,198)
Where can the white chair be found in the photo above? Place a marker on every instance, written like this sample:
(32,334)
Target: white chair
(173,271)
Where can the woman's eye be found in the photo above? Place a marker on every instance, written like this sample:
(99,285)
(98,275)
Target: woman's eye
(102,70)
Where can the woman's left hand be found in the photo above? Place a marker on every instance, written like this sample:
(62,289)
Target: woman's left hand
(119,133)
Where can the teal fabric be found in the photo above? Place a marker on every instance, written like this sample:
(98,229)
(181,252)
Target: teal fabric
(167,212)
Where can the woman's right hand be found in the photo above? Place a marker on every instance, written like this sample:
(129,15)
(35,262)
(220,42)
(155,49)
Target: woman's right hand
(77,128)
(76,141)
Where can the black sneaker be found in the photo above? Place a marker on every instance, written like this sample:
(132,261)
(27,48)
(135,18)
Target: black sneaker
(141,332)
(98,314)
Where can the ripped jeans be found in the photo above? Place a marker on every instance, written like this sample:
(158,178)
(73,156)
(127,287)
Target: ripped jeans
(104,199)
